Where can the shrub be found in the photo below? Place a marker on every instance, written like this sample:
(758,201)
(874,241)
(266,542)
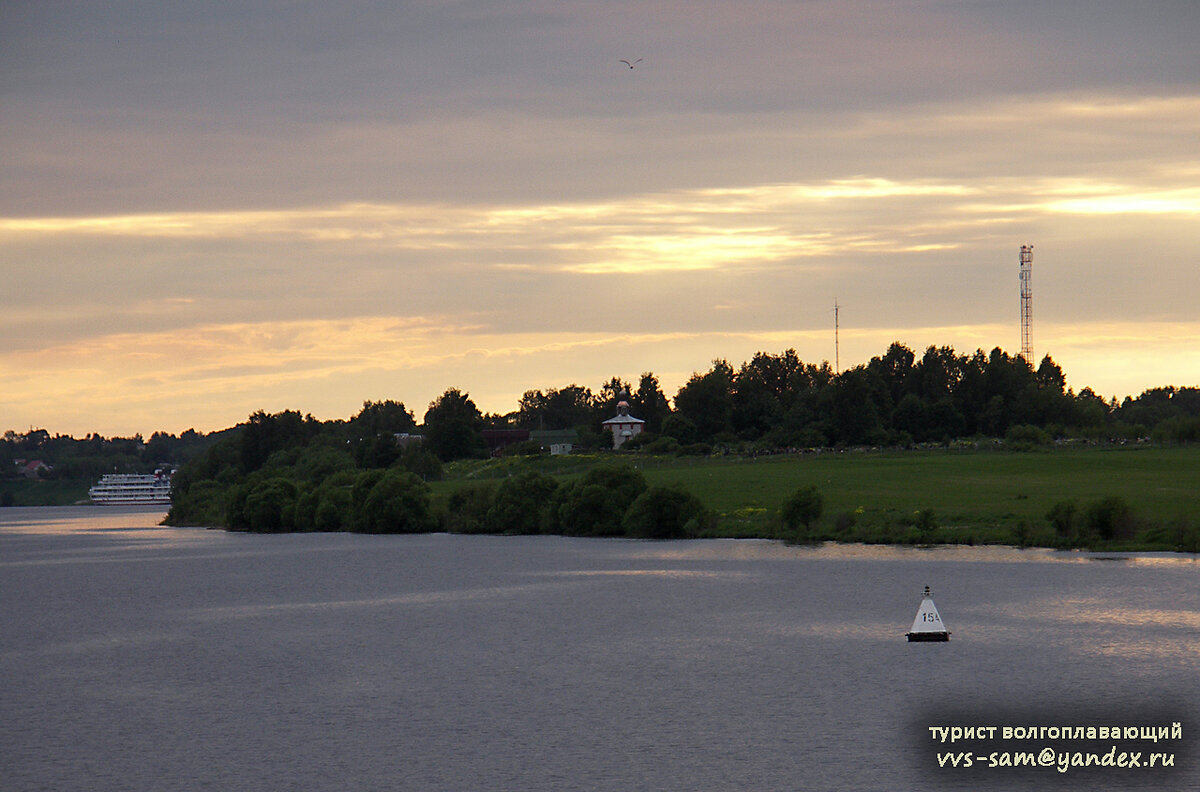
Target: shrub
(678,428)
(624,481)
(398,503)
(1111,518)
(665,513)
(661,445)
(204,503)
(590,510)
(467,508)
(843,522)
(802,507)
(1026,437)
(1064,516)
(420,461)
(519,503)
(925,521)
(270,506)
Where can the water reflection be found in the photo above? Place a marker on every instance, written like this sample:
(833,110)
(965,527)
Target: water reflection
(764,549)
(44,520)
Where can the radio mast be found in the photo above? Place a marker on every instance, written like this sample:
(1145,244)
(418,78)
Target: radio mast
(837,363)
(1027,303)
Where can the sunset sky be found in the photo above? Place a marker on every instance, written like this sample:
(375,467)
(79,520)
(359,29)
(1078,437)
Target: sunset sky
(208,209)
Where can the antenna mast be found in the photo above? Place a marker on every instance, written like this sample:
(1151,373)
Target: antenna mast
(1027,303)
(837,363)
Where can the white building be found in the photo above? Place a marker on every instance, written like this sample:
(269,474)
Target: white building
(623,425)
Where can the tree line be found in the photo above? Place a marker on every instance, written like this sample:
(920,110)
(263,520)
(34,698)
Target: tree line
(288,471)
(92,456)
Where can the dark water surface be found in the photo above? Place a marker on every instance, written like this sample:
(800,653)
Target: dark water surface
(136,657)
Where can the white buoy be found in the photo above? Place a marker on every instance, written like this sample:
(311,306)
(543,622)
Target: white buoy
(928,625)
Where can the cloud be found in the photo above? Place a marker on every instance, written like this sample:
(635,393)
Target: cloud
(338,203)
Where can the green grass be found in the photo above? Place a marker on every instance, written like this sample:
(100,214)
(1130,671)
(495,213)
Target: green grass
(976,495)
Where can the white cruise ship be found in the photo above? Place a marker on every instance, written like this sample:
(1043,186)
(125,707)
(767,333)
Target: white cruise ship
(132,488)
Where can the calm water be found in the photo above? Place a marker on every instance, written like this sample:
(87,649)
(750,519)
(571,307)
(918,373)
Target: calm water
(135,657)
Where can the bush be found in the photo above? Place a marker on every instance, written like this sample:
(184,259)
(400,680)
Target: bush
(467,508)
(204,503)
(1064,516)
(1179,429)
(925,521)
(398,503)
(665,513)
(1026,437)
(1111,518)
(661,445)
(625,482)
(420,461)
(269,506)
(520,502)
(802,507)
(590,510)
(844,522)
(679,429)
(333,503)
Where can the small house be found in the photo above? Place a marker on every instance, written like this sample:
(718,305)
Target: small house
(623,425)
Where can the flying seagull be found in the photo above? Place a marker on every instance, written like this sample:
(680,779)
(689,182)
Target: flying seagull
(630,65)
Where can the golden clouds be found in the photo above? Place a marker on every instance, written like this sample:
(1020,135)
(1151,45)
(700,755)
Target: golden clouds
(674,231)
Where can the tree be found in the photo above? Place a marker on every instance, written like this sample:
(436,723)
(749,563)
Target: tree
(595,504)
(519,502)
(1110,518)
(385,417)
(895,371)
(263,435)
(938,374)
(1050,376)
(665,513)
(707,401)
(763,391)
(649,403)
(802,507)
(397,503)
(855,417)
(679,429)
(269,506)
(454,426)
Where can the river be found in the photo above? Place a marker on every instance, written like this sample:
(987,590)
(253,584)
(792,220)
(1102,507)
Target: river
(140,657)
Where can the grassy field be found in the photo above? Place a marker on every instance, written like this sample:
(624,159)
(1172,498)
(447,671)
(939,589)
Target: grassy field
(974,495)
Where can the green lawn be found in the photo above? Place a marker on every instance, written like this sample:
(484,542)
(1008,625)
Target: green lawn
(976,495)
(965,489)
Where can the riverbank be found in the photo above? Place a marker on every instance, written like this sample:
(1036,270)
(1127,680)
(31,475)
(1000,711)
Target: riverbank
(965,495)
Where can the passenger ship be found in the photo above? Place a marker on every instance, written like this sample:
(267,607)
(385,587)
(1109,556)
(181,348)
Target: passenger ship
(132,488)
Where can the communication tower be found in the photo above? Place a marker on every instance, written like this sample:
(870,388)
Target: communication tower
(1027,303)
(837,362)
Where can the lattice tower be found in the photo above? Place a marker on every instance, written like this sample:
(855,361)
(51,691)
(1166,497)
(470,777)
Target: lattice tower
(1027,303)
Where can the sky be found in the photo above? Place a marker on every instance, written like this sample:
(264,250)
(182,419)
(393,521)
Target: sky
(208,209)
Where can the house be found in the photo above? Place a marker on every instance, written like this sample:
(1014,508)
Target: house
(557,441)
(623,425)
(405,439)
(499,439)
(31,469)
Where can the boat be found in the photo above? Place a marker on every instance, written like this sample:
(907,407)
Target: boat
(928,625)
(132,489)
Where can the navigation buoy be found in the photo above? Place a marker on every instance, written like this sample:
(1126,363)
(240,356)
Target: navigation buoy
(928,625)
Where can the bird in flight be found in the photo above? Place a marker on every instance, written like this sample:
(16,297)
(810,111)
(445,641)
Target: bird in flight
(630,65)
